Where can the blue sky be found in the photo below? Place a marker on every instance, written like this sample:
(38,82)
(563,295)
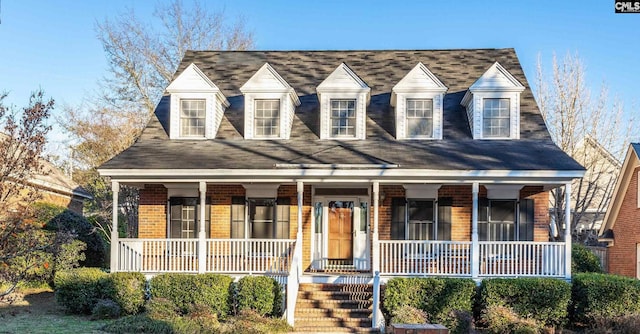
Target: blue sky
(53,44)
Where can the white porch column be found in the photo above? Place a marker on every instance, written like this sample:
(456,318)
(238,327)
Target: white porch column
(300,190)
(475,247)
(202,230)
(375,254)
(115,189)
(567,231)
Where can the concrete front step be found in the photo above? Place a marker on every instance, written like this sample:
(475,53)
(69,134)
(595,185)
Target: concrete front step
(333,312)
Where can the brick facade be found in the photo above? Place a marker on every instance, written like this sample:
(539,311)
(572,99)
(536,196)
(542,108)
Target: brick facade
(153,211)
(626,231)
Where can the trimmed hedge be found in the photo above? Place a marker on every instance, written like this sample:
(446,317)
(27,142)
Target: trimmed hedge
(78,290)
(600,296)
(261,294)
(127,290)
(186,291)
(445,300)
(543,299)
(583,260)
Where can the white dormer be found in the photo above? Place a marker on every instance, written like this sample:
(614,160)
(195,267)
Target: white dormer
(269,105)
(196,105)
(418,100)
(493,105)
(343,100)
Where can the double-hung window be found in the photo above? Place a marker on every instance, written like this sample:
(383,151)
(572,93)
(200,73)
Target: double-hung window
(192,117)
(266,218)
(267,118)
(419,118)
(496,118)
(184,217)
(343,118)
(506,220)
(420,219)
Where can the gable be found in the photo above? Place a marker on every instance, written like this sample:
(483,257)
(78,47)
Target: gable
(266,78)
(192,79)
(497,78)
(342,78)
(421,79)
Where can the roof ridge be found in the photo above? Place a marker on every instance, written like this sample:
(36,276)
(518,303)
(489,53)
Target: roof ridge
(353,50)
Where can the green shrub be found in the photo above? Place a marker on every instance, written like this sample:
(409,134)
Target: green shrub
(409,315)
(583,260)
(250,322)
(60,219)
(161,309)
(127,290)
(600,296)
(544,299)
(445,300)
(186,290)
(261,294)
(105,309)
(78,290)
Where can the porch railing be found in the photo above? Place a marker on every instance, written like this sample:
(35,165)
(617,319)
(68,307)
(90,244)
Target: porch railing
(522,258)
(419,257)
(271,256)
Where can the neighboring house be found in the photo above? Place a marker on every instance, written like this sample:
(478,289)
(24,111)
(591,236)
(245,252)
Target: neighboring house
(345,167)
(57,188)
(593,191)
(621,228)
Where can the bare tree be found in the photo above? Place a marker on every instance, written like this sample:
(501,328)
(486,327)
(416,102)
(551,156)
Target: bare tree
(22,141)
(591,130)
(142,57)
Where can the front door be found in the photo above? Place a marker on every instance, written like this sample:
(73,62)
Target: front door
(340,250)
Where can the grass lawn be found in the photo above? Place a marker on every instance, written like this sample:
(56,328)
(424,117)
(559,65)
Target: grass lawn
(37,312)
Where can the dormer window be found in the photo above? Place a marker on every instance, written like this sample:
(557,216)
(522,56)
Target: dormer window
(343,118)
(269,105)
(419,118)
(192,118)
(496,118)
(267,119)
(493,105)
(343,105)
(196,105)
(417,99)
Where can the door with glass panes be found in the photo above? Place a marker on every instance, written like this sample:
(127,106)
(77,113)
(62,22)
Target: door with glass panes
(340,233)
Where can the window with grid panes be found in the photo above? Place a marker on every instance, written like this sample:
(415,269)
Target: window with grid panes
(343,118)
(419,118)
(496,118)
(192,118)
(267,118)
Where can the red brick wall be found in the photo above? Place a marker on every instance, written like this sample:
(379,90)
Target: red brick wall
(626,232)
(152,214)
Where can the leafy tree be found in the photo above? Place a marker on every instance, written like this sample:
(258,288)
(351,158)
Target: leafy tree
(142,57)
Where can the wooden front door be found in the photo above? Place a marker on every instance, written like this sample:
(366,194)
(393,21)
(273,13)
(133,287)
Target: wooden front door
(341,231)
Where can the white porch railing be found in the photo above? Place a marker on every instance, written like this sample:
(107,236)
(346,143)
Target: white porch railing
(522,258)
(453,258)
(423,257)
(272,256)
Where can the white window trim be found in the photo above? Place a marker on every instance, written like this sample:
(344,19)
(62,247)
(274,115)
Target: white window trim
(401,114)
(211,104)
(249,114)
(360,111)
(514,113)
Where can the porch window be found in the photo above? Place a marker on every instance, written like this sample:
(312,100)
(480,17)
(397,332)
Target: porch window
(267,218)
(420,219)
(184,217)
(506,220)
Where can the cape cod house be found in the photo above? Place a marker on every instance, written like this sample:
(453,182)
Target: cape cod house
(345,167)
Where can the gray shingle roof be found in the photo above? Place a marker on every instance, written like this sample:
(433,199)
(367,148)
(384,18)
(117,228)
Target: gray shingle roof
(381,70)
